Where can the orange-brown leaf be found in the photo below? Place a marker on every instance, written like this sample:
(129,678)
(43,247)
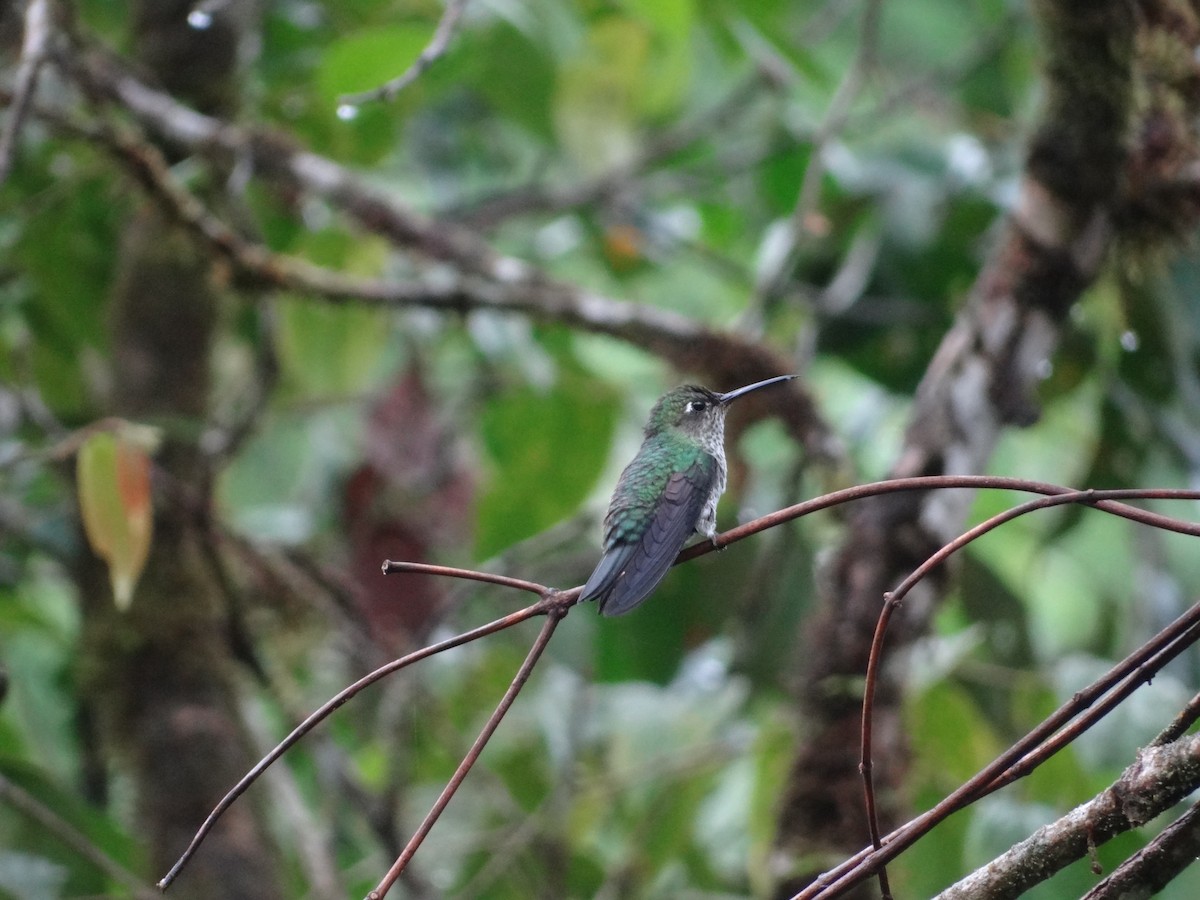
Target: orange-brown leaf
(114,499)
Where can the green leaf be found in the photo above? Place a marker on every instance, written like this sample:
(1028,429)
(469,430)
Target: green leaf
(547,449)
(626,73)
(331,351)
(364,133)
(952,738)
(65,249)
(514,74)
(669,66)
(363,61)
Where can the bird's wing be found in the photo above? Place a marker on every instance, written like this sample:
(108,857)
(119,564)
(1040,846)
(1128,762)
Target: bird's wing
(630,569)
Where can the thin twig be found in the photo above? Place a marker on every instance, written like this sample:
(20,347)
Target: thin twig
(1053,496)
(893,600)
(1102,501)
(943,482)
(34,48)
(311,834)
(1103,696)
(434,51)
(537,609)
(392,567)
(1018,760)
(1181,723)
(554,616)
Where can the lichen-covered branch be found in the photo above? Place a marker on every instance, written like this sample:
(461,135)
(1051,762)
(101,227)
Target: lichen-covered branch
(1160,778)
(1154,866)
(35,47)
(478,278)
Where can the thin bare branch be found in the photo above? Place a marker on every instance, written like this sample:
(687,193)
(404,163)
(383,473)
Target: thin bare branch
(1181,723)
(434,50)
(310,833)
(1043,742)
(393,567)
(1106,694)
(1102,500)
(894,599)
(539,608)
(556,604)
(554,616)
(1055,731)
(945,482)
(891,603)
(35,46)
(480,278)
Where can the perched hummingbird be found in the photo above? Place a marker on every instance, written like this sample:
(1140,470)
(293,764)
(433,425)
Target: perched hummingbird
(669,490)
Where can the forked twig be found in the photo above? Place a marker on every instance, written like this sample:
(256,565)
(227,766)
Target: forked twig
(553,617)
(540,608)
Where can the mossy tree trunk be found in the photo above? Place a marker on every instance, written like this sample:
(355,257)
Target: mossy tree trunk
(161,678)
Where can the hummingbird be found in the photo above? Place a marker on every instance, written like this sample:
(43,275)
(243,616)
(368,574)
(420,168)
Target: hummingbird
(669,490)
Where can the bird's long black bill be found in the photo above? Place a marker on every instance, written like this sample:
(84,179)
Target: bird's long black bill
(738,392)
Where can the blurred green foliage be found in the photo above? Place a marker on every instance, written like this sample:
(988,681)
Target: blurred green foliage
(645,758)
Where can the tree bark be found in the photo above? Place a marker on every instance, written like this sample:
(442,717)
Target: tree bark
(160,680)
(982,380)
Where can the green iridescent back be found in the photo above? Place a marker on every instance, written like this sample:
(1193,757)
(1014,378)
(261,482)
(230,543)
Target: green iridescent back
(644,480)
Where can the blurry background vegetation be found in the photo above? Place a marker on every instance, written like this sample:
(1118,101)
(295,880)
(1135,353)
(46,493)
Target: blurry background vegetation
(650,150)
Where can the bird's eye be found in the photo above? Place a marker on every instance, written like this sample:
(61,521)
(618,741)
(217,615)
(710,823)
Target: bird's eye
(697,406)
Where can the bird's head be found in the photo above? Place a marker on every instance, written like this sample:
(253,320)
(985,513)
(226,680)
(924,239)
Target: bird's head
(689,408)
(697,411)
